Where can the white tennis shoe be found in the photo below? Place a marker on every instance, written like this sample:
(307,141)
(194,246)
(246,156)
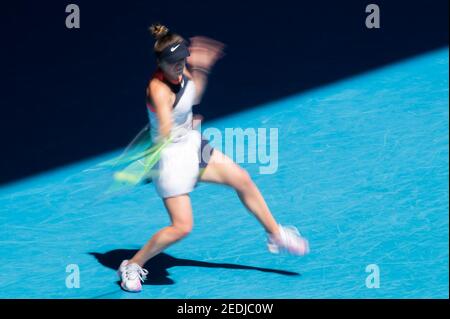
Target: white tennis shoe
(131,276)
(289,240)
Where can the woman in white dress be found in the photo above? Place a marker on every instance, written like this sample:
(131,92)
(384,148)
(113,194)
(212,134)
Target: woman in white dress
(188,159)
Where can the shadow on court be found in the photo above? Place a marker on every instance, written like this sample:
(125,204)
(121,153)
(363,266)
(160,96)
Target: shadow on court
(158,265)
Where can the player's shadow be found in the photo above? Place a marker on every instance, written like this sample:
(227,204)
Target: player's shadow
(158,265)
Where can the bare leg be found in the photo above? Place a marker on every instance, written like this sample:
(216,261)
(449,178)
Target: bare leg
(180,211)
(222,170)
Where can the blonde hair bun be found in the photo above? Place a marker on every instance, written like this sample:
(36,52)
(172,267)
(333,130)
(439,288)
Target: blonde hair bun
(158,30)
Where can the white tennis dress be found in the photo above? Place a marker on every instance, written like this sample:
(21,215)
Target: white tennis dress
(178,169)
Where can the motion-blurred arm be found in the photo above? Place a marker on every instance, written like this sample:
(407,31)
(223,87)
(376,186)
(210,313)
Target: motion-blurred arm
(204,54)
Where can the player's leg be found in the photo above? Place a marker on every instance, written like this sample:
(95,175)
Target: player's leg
(222,170)
(180,212)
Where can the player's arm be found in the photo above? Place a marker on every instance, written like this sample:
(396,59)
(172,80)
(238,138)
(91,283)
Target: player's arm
(161,100)
(204,53)
(200,79)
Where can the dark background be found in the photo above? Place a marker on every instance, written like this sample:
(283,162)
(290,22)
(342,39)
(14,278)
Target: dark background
(68,94)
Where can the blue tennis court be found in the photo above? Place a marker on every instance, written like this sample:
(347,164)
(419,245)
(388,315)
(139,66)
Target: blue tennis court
(362,171)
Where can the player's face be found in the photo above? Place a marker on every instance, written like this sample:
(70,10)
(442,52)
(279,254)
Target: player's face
(173,70)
